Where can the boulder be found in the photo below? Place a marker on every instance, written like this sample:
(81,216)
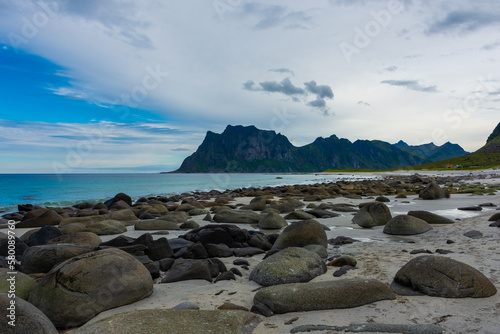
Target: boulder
(256,204)
(430,218)
(312,296)
(22,282)
(178,321)
(155,224)
(300,234)
(176,217)
(372,214)
(19,248)
(440,276)
(106,227)
(72,228)
(237,217)
(290,265)
(119,197)
(406,225)
(28,319)
(272,221)
(299,215)
(320,213)
(40,259)
(78,289)
(42,236)
(125,215)
(187,269)
(77,238)
(82,220)
(494,217)
(50,217)
(433,191)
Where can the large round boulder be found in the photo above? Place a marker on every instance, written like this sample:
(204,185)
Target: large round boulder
(430,218)
(272,221)
(26,318)
(406,225)
(77,238)
(174,322)
(312,296)
(78,289)
(372,214)
(440,276)
(106,227)
(300,234)
(49,217)
(433,191)
(40,259)
(290,265)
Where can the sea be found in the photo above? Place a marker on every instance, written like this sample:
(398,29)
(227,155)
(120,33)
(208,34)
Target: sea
(70,189)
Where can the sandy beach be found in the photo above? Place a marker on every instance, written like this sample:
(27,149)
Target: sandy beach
(379,256)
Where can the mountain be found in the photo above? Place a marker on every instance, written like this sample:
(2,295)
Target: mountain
(246,149)
(486,156)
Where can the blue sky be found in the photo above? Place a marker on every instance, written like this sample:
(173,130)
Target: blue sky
(108,85)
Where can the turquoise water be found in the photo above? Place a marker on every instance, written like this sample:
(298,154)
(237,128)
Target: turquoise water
(67,189)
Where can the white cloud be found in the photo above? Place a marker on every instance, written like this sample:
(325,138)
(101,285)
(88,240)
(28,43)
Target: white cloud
(107,46)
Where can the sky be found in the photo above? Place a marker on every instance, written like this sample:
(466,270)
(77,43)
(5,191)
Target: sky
(133,86)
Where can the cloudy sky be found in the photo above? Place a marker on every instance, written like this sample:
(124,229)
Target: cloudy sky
(123,85)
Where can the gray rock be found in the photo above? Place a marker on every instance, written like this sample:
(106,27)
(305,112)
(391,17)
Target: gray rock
(406,225)
(78,289)
(175,322)
(28,319)
(187,305)
(290,265)
(439,276)
(300,234)
(473,234)
(372,214)
(187,269)
(40,259)
(433,191)
(430,218)
(299,215)
(272,221)
(106,227)
(155,224)
(50,217)
(176,217)
(77,238)
(303,297)
(237,217)
(495,217)
(318,249)
(344,260)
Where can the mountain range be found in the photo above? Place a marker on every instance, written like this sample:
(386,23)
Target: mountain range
(246,149)
(487,156)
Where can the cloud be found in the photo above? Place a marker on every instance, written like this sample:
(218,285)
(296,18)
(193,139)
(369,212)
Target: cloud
(391,68)
(297,94)
(464,21)
(363,103)
(272,16)
(282,70)
(285,87)
(120,18)
(180,149)
(412,85)
(491,46)
(322,91)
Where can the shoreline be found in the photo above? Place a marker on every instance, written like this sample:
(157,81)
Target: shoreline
(379,256)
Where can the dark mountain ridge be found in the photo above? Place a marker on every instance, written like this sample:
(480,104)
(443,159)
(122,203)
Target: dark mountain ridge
(246,149)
